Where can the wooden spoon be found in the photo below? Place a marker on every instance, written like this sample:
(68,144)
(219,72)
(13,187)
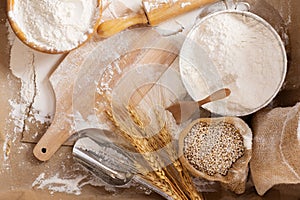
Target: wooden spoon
(153,12)
(183,110)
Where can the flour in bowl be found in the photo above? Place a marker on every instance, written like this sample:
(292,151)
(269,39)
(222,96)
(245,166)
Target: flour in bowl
(55,25)
(237,50)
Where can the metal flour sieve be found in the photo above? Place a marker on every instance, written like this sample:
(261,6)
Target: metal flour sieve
(202,69)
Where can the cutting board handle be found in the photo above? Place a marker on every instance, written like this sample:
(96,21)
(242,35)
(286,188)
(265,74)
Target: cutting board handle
(51,142)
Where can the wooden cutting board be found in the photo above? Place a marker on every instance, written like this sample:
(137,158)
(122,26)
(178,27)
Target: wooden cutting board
(96,68)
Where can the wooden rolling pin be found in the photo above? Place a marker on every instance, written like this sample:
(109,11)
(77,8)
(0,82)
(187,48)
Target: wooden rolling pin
(153,13)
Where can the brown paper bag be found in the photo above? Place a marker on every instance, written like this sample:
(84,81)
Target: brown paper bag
(276,148)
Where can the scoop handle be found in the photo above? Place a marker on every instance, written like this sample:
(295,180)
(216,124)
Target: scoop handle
(111,27)
(218,95)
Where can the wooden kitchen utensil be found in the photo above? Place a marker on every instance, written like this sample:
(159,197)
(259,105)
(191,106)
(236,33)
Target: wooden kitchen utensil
(183,110)
(153,13)
(68,79)
(21,35)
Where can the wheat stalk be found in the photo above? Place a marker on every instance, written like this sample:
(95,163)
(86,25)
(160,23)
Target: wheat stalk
(157,176)
(185,179)
(176,183)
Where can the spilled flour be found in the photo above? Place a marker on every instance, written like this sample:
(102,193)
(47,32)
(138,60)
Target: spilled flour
(56,184)
(33,69)
(62,184)
(298,130)
(91,121)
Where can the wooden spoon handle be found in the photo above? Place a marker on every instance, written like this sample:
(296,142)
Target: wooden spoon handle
(160,11)
(218,95)
(111,27)
(153,13)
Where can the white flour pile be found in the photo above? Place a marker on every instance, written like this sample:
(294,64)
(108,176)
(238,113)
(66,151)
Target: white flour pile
(59,25)
(247,57)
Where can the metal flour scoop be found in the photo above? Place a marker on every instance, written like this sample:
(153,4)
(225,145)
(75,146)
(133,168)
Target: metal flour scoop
(113,164)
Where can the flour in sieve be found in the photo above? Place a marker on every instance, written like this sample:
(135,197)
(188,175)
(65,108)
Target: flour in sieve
(247,57)
(59,25)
